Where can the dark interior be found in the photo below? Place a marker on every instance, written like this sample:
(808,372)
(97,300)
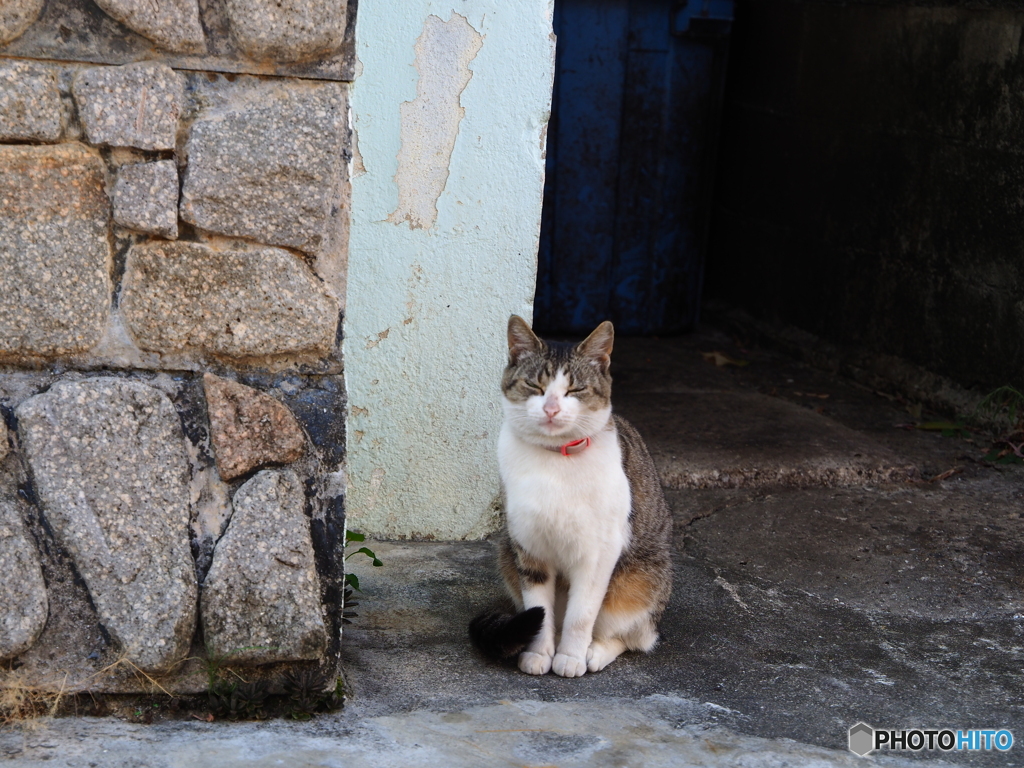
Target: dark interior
(860,176)
(870,185)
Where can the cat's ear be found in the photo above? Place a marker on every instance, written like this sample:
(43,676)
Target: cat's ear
(597,347)
(521,339)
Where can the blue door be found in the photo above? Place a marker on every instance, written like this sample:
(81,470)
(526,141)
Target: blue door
(630,161)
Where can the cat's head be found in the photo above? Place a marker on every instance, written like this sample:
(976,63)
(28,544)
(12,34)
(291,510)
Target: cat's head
(556,392)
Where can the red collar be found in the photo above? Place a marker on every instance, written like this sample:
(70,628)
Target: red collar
(566,450)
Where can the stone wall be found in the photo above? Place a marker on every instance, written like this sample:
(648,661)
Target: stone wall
(173,235)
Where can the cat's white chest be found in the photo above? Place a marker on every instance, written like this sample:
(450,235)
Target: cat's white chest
(566,509)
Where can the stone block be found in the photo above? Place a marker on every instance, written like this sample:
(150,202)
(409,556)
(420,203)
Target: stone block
(233,302)
(171,24)
(172,32)
(211,512)
(269,168)
(55,254)
(261,598)
(146,198)
(108,461)
(30,108)
(248,428)
(287,30)
(16,16)
(23,602)
(136,105)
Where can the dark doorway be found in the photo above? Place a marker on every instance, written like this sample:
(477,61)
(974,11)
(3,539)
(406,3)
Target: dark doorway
(870,187)
(630,161)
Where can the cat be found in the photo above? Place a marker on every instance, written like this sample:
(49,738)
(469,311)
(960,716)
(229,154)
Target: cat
(586,550)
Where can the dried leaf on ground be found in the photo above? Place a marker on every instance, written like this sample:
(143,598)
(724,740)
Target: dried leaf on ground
(721,359)
(946,475)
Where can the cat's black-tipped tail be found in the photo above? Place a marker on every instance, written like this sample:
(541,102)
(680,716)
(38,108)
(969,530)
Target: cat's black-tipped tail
(500,634)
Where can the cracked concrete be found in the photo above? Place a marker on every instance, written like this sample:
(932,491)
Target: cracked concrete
(796,612)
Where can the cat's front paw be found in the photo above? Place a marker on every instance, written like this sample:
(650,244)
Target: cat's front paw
(568,666)
(534,663)
(600,655)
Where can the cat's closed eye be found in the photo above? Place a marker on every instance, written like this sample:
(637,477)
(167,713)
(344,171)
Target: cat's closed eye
(576,389)
(534,387)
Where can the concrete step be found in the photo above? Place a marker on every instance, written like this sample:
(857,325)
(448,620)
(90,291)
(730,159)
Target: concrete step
(706,439)
(719,426)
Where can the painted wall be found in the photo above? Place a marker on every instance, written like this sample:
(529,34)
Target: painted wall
(450,109)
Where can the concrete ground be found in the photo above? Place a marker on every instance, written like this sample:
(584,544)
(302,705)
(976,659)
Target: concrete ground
(832,566)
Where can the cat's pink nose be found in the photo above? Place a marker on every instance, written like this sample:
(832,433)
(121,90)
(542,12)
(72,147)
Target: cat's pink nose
(551,409)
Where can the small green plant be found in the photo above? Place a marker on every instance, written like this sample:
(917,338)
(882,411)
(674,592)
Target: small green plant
(308,693)
(229,694)
(946,428)
(351,580)
(1010,454)
(1005,406)
(234,699)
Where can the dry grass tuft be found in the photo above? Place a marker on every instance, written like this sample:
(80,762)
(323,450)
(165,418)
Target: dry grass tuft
(23,703)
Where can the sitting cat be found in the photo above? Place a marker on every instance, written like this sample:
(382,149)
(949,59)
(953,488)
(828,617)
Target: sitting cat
(586,554)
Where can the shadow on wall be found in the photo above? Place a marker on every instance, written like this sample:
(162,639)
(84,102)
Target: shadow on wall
(870,180)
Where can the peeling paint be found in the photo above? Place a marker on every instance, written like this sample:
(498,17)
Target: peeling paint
(376,480)
(430,123)
(371,343)
(358,168)
(413,283)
